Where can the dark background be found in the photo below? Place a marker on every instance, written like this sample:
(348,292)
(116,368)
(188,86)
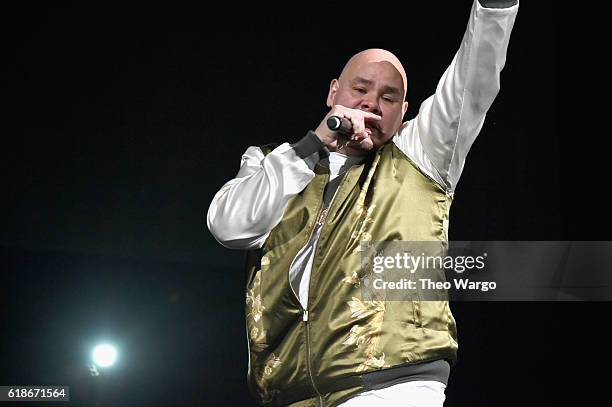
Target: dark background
(121,122)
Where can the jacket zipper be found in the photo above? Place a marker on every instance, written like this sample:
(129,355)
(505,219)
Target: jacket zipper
(321,215)
(321,218)
(308,365)
(320,222)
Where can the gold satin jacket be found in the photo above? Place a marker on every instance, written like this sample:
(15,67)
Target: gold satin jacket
(322,352)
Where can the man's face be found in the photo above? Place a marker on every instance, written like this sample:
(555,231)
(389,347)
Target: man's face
(375,87)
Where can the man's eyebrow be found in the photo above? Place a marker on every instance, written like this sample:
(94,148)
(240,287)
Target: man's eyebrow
(386,89)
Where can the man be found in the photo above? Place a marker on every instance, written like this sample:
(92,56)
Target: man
(303,210)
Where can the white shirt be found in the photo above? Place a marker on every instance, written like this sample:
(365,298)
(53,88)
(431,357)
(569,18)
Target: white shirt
(299,272)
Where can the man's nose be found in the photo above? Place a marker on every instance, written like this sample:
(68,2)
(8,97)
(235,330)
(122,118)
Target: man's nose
(370,104)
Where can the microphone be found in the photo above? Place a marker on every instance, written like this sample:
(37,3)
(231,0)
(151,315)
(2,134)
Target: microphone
(340,124)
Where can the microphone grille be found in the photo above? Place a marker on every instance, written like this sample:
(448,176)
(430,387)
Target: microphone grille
(334,123)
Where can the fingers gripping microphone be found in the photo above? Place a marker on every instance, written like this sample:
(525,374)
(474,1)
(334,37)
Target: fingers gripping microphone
(340,124)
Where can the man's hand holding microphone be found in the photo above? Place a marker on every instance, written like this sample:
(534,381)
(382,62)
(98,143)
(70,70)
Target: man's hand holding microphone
(347,130)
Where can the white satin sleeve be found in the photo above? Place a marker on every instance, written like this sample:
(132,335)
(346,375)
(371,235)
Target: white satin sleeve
(245,209)
(439,137)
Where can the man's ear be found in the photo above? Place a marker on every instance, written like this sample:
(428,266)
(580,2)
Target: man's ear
(404,108)
(333,88)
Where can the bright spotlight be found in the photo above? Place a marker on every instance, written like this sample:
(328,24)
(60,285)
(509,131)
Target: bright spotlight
(104,355)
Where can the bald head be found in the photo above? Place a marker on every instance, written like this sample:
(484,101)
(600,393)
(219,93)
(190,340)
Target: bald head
(368,56)
(373,81)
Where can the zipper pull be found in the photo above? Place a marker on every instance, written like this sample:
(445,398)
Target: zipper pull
(305,316)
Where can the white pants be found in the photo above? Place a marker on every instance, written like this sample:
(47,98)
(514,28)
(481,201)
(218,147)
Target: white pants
(408,394)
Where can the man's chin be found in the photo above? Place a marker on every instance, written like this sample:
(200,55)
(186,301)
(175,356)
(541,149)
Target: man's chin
(361,147)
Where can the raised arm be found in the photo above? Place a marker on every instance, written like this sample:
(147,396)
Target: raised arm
(248,207)
(440,136)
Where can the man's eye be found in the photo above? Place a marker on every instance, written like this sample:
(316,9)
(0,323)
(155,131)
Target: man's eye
(360,90)
(388,99)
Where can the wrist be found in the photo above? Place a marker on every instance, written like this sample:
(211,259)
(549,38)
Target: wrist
(309,145)
(325,135)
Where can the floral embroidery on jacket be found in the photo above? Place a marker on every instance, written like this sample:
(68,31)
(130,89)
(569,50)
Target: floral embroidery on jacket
(365,220)
(272,362)
(255,308)
(367,336)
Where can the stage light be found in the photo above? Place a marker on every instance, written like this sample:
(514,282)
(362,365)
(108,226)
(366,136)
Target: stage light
(104,355)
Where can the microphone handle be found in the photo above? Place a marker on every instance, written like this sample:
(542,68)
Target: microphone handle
(340,124)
